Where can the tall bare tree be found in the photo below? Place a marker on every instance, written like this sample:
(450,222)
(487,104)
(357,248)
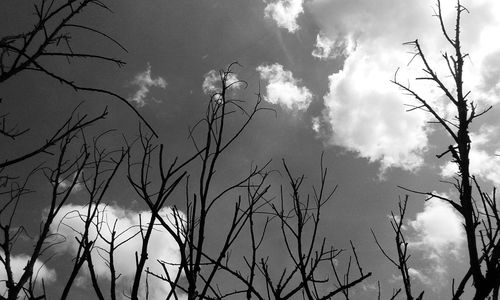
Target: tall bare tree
(71,159)
(477,207)
(203,270)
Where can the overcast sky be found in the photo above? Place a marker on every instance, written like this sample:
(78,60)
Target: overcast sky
(325,67)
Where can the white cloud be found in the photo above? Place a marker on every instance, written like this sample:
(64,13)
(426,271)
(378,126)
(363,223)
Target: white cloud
(66,183)
(212,82)
(326,48)
(481,41)
(439,230)
(365,110)
(283,89)
(369,287)
(18,262)
(316,124)
(414,273)
(145,82)
(438,233)
(162,246)
(484,159)
(371,120)
(285,13)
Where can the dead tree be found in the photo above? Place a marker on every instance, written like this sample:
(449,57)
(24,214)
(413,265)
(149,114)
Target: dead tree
(211,139)
(202,270)
(50,40)
(314,273)
(92,168)
(480,214)
(403,256)
(88,167)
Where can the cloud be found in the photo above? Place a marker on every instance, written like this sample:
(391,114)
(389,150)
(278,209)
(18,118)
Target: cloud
(316,124)
(66,183)
(145,82)
(162,246)
(325,48)
(369,287)
(438,233)
(439,230)
(364,109)
(484,159)
(414,273)
(285,13)
(18,262)
(212,82)
(372,121)
(283,89)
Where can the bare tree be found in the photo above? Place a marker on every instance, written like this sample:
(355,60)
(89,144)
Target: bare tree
(314,273)
(51,39)
(202,270)
(90,168)
(80,162)
(71,161)
(402,260)
(477,208)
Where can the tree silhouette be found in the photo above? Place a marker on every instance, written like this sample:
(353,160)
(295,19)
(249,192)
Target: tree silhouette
(204,268)
(477,207)
(80,160)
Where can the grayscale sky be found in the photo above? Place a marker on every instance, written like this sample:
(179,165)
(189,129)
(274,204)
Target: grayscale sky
(324,67)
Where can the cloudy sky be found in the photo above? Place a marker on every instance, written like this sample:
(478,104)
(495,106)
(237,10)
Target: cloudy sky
(324,67)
